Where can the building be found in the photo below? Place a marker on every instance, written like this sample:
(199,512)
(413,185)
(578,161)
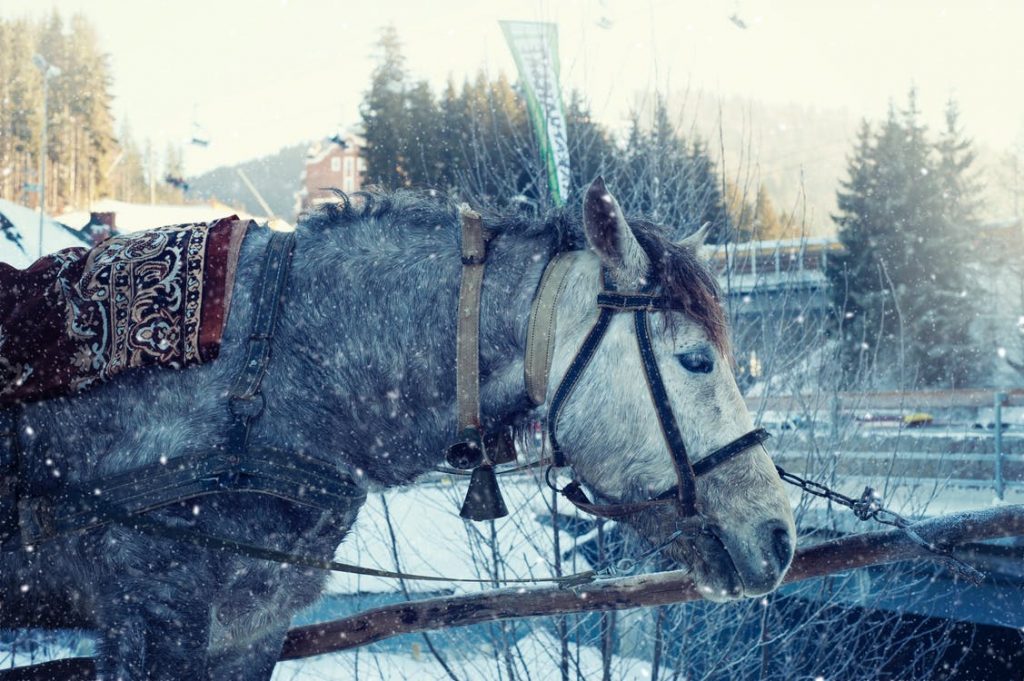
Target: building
(333,163)
(777,297)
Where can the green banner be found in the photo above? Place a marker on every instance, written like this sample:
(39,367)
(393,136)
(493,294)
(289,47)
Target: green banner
(534,46)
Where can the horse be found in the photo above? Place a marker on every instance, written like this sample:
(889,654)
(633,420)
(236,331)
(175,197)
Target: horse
(362,376)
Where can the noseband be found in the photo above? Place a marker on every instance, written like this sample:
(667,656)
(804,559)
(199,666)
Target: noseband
(641,304)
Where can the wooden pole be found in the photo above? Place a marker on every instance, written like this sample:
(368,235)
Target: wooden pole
(663,588)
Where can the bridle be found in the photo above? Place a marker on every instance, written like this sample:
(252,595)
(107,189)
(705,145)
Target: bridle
(483,501)
(641,304)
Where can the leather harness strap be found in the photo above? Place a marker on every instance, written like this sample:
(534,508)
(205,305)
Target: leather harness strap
(235,467)
(468,452)
(540,335)
(246,402)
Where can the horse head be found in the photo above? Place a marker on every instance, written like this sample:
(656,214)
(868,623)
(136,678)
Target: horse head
(731,524)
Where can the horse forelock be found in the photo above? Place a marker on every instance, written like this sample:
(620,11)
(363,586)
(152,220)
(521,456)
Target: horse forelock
(687,280)
(680,273)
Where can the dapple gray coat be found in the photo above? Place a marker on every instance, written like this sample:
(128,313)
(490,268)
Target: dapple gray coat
(362,374)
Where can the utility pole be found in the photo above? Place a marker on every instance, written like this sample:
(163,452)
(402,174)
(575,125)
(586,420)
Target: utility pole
(49,71)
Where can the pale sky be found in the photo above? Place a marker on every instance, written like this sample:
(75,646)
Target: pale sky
(262,74)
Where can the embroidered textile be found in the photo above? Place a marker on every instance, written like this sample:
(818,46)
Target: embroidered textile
(80,316)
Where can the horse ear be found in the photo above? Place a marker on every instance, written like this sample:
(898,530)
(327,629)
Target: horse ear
(612,238)
(696,240)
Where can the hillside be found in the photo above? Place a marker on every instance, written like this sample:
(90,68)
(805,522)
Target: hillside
(276,176)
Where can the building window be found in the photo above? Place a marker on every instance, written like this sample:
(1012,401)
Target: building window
(350,166)
(348,184)
(335,164)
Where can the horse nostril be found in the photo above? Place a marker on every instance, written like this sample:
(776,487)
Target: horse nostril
(781,546)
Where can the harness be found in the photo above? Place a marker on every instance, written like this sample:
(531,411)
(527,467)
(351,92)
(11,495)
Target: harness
(483,500)
(44,512)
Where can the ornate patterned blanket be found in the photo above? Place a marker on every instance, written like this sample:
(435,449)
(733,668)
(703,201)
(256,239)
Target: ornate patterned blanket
(81,316)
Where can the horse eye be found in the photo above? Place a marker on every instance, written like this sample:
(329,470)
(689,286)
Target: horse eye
(697,361)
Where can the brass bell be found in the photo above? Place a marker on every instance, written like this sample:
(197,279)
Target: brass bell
(483,500)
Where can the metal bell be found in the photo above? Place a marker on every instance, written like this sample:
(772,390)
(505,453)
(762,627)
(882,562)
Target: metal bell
(483,500)
(468,452)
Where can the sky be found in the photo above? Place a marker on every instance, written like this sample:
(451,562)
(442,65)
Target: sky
(257,75)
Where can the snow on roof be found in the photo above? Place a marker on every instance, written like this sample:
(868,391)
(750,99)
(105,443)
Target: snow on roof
(133,217)
(19,235)
(432,539)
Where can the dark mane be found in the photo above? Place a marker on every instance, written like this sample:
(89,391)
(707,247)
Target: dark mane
(679,271)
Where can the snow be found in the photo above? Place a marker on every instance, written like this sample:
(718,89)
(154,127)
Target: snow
(133,217)
(24,250)
(538,652)
(432,539)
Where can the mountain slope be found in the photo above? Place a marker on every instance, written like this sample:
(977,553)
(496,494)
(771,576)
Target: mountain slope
(277,177)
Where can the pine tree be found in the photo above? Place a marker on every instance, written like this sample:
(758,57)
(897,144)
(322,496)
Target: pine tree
(590,148)
(766,222)
(898,290)
(741,212)
(708,204)
(385,119)
(425,165)
(453,136)
(960,186)
(80,142)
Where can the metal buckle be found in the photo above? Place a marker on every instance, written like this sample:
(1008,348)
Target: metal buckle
(247,407)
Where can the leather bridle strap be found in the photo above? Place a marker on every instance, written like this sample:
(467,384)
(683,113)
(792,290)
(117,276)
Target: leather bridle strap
(572,377)
(467,352)
(468,451)
(684,493)
(245,401)
(687,492)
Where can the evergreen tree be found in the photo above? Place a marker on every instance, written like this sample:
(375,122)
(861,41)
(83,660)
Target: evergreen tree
(708,204)
(899,290)
(767,223)
(453,136)
(385,118)
(80,142)
(425,165)
(591,150)
(960,187)
(741,212)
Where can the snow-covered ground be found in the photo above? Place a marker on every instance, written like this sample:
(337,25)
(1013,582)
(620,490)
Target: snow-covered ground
(19,235)
(535,657)
(432,539)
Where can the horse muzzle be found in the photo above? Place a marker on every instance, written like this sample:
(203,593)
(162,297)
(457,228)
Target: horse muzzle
(736,565)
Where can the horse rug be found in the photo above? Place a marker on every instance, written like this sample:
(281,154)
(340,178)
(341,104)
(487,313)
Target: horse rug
(82,316)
